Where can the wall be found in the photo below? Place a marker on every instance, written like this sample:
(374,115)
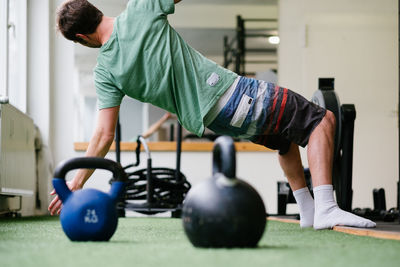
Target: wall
(39,50)
(355,42)
(62,98)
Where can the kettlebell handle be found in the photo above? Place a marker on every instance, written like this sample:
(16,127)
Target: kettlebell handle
(224,157)
(90,163)
(63,168)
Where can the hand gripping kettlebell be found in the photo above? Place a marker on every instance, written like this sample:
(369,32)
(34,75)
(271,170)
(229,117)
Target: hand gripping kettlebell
(89,214)
(224,211)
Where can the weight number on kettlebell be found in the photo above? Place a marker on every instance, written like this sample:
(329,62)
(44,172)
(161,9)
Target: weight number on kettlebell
(91,216)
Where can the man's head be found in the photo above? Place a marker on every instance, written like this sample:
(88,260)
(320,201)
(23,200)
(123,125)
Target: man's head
(78,20)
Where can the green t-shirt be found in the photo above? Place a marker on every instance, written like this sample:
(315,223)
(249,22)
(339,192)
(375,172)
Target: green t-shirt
(146,59)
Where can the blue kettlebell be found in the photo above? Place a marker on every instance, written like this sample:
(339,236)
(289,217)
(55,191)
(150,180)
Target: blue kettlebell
(89,214)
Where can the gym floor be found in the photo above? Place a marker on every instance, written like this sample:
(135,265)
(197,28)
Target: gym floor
(383,230)
(154,241)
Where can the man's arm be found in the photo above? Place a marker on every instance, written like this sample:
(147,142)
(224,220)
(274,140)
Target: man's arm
(98,147)
(177,1)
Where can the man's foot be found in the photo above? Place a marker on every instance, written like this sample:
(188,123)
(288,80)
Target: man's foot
(327,219)
(328,214)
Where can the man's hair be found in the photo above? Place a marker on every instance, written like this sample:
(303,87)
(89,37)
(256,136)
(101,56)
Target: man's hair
(77,16)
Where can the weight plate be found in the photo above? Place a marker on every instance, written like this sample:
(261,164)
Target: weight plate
(329,100)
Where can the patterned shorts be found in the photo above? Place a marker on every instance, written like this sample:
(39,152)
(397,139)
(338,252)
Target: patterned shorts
(265,114)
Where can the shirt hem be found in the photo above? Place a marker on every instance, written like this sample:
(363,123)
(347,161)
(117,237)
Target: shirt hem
(207,109)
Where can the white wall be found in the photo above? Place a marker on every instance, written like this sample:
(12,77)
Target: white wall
(62,97)
(200,15)
(355,42)
(39,91)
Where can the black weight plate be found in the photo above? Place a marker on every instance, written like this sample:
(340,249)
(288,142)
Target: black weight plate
(329,100)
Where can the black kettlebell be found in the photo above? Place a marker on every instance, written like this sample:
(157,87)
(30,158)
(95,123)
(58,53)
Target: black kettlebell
(89,214)
(224,211)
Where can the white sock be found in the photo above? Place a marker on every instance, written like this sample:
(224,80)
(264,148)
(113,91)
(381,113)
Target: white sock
(328,214)
(306,206)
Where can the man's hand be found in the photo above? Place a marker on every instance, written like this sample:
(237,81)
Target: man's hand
(56,205)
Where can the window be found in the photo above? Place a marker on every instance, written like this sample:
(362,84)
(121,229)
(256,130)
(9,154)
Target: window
(13,47)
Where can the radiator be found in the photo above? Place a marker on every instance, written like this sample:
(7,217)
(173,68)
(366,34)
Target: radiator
(17,152)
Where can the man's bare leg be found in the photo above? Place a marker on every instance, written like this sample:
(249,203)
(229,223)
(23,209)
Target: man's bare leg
(320,150)
(293,169)
(320,159)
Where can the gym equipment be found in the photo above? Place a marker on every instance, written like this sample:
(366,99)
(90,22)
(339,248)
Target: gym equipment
(154,190)
(236,49)
(89,214)
(379,213)
(224,211)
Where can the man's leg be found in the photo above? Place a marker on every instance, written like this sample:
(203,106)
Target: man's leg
(320,159)
(320,150)
(293,169)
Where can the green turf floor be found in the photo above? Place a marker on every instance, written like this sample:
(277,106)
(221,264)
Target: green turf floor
(161,242)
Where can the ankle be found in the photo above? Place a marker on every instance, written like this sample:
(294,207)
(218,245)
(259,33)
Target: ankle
(305,203)
(324,198)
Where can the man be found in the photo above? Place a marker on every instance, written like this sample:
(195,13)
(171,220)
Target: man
(142,56)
